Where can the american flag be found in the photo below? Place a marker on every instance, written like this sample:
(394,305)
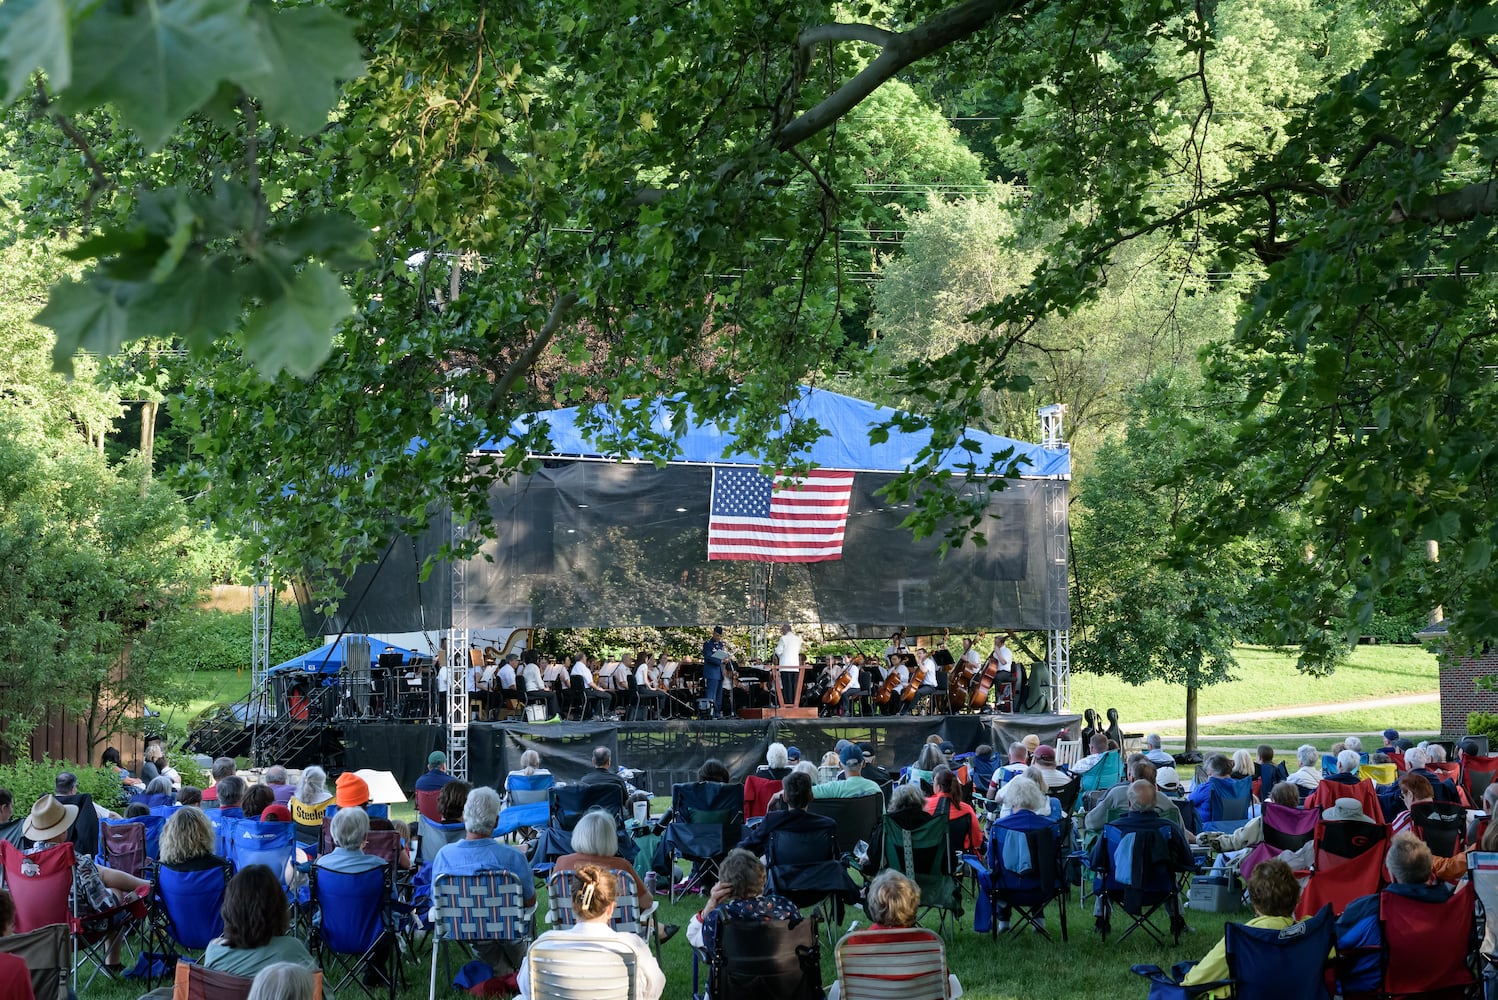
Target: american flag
(787,519)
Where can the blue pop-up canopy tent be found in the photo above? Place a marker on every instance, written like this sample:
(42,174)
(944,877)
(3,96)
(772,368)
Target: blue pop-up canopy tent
(845,446)
(330,659)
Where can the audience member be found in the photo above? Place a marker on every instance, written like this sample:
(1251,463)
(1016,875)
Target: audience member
(11,824)
(478,851)
(739,894)
(276,778)
(311,801)
(853,783)
(256,798)
(1116,802)
(593,899)
(222,767)
(349,828)
(284,981)
(1219,768)
(961,815)
(15,978)
(256,920)
(1345,784)
(1308,775)
(1157,756)
(603,773)
(190,795)
(1417,761)
(777,763)
(795,795)
(1045,760)
(436,773)
(1273,893)
(1391,742)
(893,903)
(1098,749)
(452,799)
(1359,929)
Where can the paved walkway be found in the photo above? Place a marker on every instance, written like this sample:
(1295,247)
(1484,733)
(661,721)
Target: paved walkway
(1179,725)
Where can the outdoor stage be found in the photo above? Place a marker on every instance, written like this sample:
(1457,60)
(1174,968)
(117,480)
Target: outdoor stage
(670,751)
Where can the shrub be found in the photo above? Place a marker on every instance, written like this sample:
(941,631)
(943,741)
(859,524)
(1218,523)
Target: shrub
(1483,724)
(28,780)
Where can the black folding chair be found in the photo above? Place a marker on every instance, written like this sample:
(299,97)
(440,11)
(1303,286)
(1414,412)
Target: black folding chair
(707,821)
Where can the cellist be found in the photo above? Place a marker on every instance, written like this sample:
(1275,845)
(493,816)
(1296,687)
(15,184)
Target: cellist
(925,678)
(892,684)
(852,691)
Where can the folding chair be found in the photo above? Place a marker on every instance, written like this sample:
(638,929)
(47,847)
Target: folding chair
(581,969)
(269,844)
(627,918)
(1025,871)
(186,908)
(128,844)
(46,952)
(466,909)
(435,836)
(707,821)
(568,804)
(426,804)
(1287,964)
(757,794)
(1379,774)
(884,964)
(1229,804)
(1285,829)
(527,802)
(1442,825)
(1477,774)
(194,982)
(84,834)
(354,933)
(858,819)
(1138,862)
(1067,794)
(1349,862)
(1425,947)
(924,855)
(1104,774)
(806,869)
(763,959)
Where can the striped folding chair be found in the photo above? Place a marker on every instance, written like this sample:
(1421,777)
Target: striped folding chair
(485,906)
(627,917)
(898,964)
(580,970)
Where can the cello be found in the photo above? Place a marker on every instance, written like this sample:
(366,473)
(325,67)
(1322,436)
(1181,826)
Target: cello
(914,671)
(959,677)
(887,687)
(834,695)
(983,683)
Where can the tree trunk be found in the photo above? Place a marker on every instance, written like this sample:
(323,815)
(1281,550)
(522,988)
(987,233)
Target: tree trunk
(1191,693)
(148,410)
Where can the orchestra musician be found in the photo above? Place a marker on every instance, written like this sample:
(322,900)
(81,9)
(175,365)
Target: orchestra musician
(715,654)
(503,682)
(1004,656)
(924,670)
(892,683)
(852,692)
(648,684)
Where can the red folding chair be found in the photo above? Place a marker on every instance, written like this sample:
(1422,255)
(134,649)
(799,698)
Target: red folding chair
(757,794)
(1349,864)
(426,804)
(1426,945)
(1477,774)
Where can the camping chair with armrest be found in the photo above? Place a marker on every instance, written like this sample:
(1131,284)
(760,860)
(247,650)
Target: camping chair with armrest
(269,844)
(1024,869)
(707,821)
(186,907)
(527,802)
(194,982)
(127,845)
(1379,774)
(627,918)
(757,794)
(435,836)
(1267,775)
(859,819)
(1138,868)
(763,959)
(1425,948)
(1285,828)
(1348,863)
(1229,805)
(1287,964)
(569,803)
(468,909)
(1477,774)
(584,969)
(353,937)
(924,855)
(884,964)
(1103,775)
(807,869)
(1482,868)
(47,954)
(426,804)
(1067,794)
(1442,825)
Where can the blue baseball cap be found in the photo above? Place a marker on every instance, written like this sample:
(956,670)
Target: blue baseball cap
(793,753)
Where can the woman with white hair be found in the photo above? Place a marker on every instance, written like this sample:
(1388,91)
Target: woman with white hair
(284,981)
(310,804)
(1346,784)
(595,841)
(777,763)
(1309,774)
(349,828)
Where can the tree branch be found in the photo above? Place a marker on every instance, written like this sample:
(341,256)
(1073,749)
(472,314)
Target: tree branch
(101,181)
(528,357)
(1462,205)
(900,50)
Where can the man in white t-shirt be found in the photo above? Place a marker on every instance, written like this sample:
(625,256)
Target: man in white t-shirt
(970,655)
(925,673)
(788,659)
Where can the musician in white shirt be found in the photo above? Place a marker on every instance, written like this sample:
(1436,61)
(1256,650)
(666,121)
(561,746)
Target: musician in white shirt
(902,674)
(788,659)
(970,655)
(925,682)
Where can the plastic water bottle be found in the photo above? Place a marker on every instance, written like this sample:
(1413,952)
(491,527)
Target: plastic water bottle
(650,881)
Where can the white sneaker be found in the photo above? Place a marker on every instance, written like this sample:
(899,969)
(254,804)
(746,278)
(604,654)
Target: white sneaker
(1003,926)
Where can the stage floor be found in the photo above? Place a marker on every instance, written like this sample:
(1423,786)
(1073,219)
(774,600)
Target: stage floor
(668,751)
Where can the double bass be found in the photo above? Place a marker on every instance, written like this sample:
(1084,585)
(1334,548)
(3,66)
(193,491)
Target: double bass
(959,678)
(984,681)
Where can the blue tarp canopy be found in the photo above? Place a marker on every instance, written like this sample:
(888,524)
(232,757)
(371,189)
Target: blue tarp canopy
(845,445)
(329,659)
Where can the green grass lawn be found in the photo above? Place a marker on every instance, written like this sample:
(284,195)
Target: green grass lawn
(1264,680)
(1020,966)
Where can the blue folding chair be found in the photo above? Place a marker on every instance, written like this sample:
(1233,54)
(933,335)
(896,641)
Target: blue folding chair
(1287,964)
(353,931)
(186,909)
(1024,870)
(269,844)
(435,836)
(1137,861)
(528,802)
(1231,799)
(485,906)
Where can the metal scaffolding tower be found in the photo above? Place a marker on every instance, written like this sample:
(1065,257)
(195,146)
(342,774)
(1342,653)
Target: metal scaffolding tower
(1058,558)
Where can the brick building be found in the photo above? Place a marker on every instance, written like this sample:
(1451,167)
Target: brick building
(1459,691)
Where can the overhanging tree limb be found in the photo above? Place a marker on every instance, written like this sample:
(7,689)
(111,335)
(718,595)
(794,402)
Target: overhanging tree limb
(559,310)
(1462,205)
(899,50)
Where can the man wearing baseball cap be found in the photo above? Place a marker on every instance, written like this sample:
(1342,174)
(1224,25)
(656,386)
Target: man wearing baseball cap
(1045,759)
(1391,742)
(436,775)
(852,784)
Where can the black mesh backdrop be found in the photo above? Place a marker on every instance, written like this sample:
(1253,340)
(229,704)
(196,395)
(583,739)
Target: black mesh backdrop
(596,544)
